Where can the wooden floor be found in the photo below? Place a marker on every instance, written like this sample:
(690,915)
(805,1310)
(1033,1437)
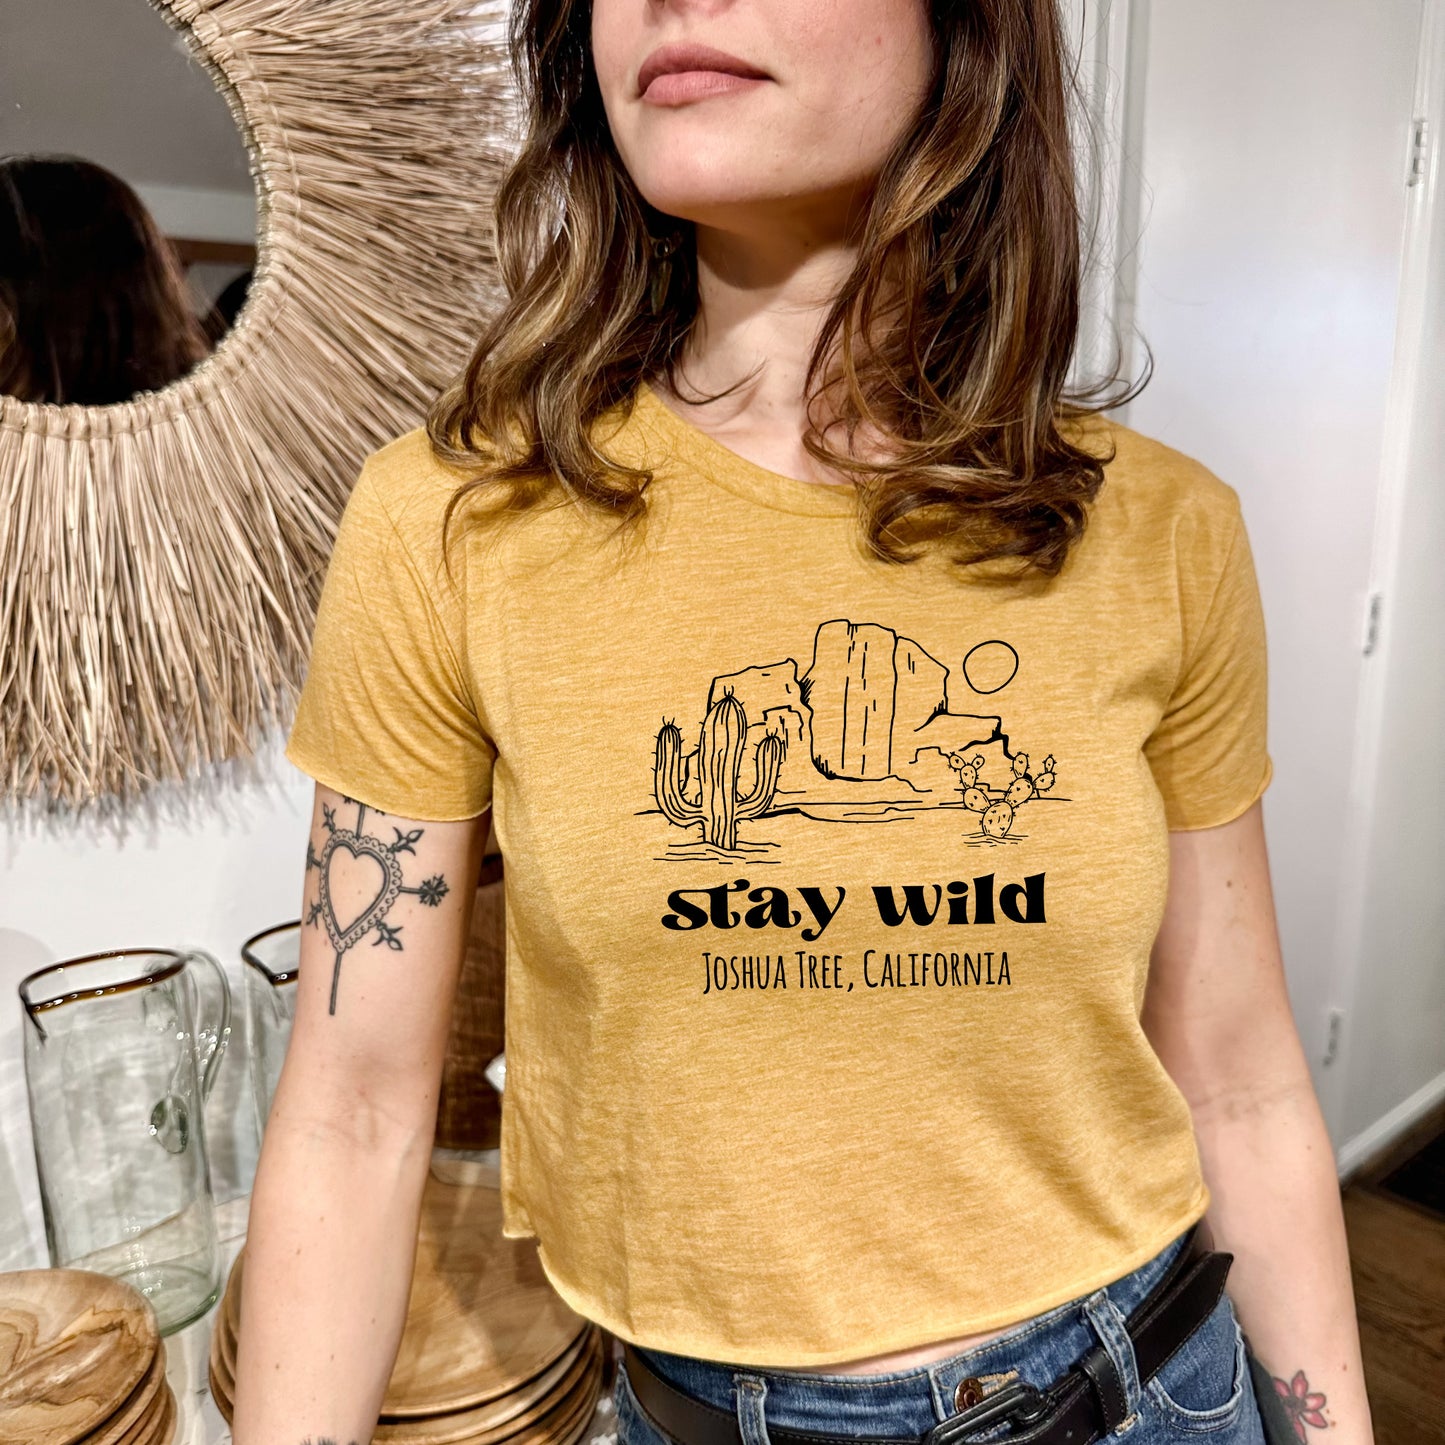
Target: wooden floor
(1397,1257)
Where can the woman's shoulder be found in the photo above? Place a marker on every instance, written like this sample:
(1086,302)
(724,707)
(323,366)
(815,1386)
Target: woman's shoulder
(1153,492)
(404,488)
(405,479)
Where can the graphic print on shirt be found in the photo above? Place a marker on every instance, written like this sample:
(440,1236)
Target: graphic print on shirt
(874,731)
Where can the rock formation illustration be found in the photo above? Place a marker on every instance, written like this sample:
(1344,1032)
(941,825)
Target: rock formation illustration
(872,730)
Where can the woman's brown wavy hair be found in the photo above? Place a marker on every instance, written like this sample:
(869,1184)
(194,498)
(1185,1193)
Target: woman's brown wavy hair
(967,282)
(93,303)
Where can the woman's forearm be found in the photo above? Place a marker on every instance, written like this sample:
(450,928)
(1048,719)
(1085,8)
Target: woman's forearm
(329,1256)
(1276,1206)
(1218,1013)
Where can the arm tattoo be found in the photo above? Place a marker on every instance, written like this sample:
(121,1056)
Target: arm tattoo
(1302,1405)
(378,864)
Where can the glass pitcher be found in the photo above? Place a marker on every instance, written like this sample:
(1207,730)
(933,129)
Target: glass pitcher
(273,960)
(121,1051)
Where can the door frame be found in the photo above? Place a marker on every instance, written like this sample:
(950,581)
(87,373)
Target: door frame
(1424,249)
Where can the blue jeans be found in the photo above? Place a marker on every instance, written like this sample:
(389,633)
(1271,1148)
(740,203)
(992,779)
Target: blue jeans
(1203,1394)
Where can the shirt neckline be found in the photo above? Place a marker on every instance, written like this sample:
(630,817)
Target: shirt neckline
(735,473)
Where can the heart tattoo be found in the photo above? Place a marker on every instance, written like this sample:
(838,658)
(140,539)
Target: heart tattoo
(346,862)
(361,866)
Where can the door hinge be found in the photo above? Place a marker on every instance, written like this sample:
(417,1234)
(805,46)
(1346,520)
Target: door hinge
(1419,151)
(1332,1036)
(1372,622)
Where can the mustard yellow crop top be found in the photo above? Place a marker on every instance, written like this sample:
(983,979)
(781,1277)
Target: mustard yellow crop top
(831,884)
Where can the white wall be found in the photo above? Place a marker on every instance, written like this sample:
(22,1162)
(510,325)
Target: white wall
(110,80)
(1392,974)
(1273,158)
(203,866)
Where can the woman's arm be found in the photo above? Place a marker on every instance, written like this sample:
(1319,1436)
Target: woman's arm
(1218,1013)
(332,1235)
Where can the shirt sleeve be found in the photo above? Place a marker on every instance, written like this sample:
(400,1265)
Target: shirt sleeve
(385,714)
(1209,752)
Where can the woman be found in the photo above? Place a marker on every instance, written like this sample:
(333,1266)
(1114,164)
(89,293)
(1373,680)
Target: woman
(852,789)
(93,305)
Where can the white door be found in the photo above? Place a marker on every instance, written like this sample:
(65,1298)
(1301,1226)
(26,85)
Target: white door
(1264,157)
(1392,979)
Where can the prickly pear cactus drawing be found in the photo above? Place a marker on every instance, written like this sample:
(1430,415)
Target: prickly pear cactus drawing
(966,768)
(998,818)
(998,814)
(711,795)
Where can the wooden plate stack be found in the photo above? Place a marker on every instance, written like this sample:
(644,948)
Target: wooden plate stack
(490,1352)
(469,1112)
(81,1362)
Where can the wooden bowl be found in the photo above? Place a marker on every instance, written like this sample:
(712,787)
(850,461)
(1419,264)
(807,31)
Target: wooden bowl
(559,1419)
(142,1406)
(220,1393)
(482,1319)
(563,1429)
(506,1419)
(74,1346)
(157,1426)
(165,1432)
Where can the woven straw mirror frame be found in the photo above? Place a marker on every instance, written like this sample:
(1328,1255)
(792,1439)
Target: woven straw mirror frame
(161,559)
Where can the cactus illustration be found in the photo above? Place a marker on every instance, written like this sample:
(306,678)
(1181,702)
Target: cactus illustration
(999,813)
(998,818)
(966,768)
(1025,785)
(719,806)
(1019,791)
(1045,779)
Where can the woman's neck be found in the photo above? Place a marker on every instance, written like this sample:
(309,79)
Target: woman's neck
(760,311)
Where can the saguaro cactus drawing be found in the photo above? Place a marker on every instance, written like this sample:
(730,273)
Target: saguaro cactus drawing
(719,807)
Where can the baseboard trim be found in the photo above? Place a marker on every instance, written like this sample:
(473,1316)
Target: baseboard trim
(1365,1147)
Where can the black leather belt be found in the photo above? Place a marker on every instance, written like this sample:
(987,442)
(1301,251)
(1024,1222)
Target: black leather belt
(1082,1405)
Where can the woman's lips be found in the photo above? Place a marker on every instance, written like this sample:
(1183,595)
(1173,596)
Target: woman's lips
(678,87)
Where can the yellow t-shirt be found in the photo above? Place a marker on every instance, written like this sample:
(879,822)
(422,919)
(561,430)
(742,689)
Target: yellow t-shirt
(831,883)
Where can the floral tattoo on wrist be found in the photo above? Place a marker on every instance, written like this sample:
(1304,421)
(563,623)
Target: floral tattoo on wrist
(1302,1406)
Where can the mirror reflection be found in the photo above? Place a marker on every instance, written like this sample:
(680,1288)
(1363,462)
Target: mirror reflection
(127,210)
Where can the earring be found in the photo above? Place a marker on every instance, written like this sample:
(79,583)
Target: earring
(950,277)
(662,249)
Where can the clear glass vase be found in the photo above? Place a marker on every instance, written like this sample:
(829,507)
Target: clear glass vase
(121,1051)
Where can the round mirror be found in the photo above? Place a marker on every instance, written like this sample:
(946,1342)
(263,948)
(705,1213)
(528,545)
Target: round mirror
(127,210)
(163,550)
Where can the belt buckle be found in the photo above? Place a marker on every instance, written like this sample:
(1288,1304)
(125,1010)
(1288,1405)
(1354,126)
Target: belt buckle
(1017,1398)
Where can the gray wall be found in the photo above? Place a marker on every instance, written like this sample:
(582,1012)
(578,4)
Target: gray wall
(111,81)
